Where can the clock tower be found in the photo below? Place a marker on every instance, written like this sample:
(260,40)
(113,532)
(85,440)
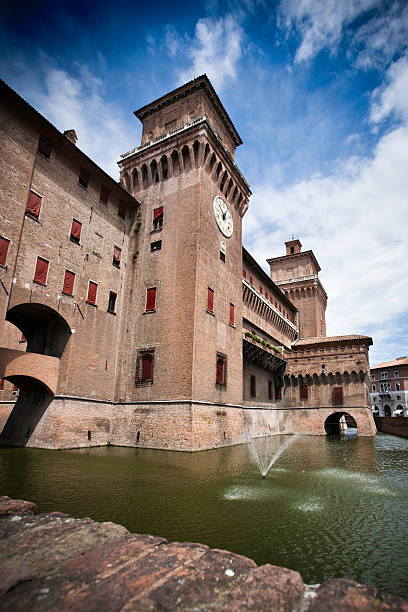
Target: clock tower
(187,255)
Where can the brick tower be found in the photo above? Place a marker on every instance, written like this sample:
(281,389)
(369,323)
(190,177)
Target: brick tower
(297,274)
(186,284)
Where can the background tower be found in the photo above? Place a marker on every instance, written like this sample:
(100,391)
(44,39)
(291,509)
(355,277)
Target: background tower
(296,273)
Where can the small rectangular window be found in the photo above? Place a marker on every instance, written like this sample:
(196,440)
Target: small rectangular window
(278,392)
(117,252)
(147,362)
(44,147)
(158,218)
(372,376)
(151,299)
(303,392)
(338,396)
(84,177)
(384,375)
(221,371)
(156,246)
(69,281)
(104,195)
(122,209)
(75,231)
(34,204)
(112,301)
(222,256)
(92,289)
(396,374)
(210,300)
(41,271)
(4,246)
(253,385)
(144,367)
(232,314)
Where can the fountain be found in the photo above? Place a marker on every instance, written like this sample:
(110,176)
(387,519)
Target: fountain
(261,454)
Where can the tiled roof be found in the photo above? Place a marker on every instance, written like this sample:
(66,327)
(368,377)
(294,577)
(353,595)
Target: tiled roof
(390,364)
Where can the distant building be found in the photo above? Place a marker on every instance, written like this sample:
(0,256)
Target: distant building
(389,388)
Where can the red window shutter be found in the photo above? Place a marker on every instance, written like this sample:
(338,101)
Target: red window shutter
(232,314)
(4,245)
(338,395)
(104,197)
(34,204)
(146,367)
(1,384)
(244,273)
(41,270)
(44,147)
(220,371)
(210,300)
(303,392)
(151,299)
(76,230)
(69,280)
(278,392)
(158,212)
(116,254)
(92,289)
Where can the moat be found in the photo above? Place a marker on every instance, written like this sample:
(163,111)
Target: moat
(328,507)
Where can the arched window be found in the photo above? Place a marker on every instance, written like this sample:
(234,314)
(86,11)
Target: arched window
(234,195)
(230,184)
(164,167)
(154,171)
(185,153)
(135,180)
(387,411)
(145,178)
(196,151)
(175,162)
(224,180)
(218,171)
(206,152)
(212,162)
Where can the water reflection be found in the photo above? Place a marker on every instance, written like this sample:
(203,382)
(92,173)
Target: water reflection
(329,506)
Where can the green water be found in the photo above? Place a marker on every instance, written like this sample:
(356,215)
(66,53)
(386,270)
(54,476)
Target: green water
(329,506)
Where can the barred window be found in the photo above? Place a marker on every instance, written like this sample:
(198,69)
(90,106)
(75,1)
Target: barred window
(221,371)
(144,367)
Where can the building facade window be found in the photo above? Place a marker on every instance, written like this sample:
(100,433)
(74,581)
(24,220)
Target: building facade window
(303,392)
(117,252)
(385,387)
(396,374)
(278,392)
(92,291)
(253,385)
(4,246)
(384,375)
(232,315)
(144,367)
(112,302)
(158,218)
(374,388)
(210,300)
(372,376)
(76,228)
(83,179)
(397,386)
(104,195)
(34,204)
(155,246)
(44,147)
(338,396)
(221,371)
(151,299)
(69,280)
(41,271)
(244,273)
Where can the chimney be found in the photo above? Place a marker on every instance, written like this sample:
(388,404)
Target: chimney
(71,135)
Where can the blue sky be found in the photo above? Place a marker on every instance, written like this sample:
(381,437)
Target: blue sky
(317,89)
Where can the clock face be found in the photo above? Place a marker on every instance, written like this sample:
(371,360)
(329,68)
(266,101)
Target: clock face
(223,216)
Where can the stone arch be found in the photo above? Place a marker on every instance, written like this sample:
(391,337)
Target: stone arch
(308,379)
(234,195)
(218,171)
(315,379)
(362,376)
(164,167)
(339,422)
(338,378)
(135,180)
(223,180)
(196,153)
(175,163)
(185,154)
(145,176)
(294,380)
(330,378)
(154,172)
(353,376)
(206,152)
(323,378)
(346,377)
(211,162)
(228,190)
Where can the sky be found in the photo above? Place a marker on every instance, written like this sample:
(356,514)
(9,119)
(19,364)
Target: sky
(317,89)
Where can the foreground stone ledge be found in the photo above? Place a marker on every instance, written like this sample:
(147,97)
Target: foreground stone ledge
(55,562)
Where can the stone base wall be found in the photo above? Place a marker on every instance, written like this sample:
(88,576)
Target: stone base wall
(397,426)
(184,426)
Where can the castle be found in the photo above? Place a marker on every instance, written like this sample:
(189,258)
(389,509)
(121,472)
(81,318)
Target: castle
(131,314)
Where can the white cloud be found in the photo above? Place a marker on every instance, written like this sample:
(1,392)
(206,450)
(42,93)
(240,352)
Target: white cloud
(215,50)
(355,220)
(320,22)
